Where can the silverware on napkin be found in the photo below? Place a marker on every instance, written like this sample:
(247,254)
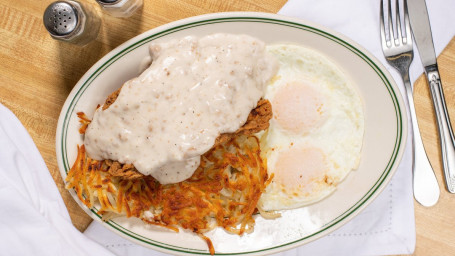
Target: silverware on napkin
(399,53)
(420,23)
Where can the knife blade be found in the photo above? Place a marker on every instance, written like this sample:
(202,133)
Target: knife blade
(420,25)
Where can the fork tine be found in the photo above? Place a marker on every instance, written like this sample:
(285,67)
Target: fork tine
(398,23)
(406,23)
(381,21)
(391,33)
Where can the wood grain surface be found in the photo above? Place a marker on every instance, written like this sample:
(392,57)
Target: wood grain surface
(37,73)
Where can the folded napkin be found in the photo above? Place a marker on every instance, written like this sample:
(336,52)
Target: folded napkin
(33,217)
(34,220)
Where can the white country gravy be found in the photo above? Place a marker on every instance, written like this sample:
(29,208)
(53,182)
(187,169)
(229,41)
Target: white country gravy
(194,90)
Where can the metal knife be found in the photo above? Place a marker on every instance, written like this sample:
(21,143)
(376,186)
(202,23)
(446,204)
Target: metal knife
(420,25)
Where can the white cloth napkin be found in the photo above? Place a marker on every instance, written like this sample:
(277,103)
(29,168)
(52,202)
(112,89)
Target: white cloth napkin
(33,217)
(34,220)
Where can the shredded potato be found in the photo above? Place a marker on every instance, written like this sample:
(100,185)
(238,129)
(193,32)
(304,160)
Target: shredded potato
(222,192)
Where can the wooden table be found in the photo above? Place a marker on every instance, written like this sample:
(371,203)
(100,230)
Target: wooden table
(37,73)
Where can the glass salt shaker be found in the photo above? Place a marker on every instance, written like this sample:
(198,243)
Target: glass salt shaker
(71,21)
(120,8)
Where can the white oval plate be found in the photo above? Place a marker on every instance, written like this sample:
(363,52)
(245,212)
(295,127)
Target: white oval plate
(384,139)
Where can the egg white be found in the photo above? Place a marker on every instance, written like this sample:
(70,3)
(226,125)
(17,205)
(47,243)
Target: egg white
(338,134)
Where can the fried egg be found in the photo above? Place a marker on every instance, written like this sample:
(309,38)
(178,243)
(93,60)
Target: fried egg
(315,135)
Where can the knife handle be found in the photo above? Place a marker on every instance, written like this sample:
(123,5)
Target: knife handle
(445,128)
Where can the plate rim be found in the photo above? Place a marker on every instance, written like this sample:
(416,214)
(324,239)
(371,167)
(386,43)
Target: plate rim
(207,19)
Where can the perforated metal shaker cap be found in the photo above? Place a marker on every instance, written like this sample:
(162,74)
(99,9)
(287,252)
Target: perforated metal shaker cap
(108,1)
(61,18)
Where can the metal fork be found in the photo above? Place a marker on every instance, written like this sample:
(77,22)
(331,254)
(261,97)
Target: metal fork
(398,52)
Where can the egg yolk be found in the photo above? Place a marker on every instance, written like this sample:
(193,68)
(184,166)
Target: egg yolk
(298,167)
(298,107)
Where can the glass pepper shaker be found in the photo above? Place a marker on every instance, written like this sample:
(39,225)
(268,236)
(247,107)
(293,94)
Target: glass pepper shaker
(120,8)
(71,21)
